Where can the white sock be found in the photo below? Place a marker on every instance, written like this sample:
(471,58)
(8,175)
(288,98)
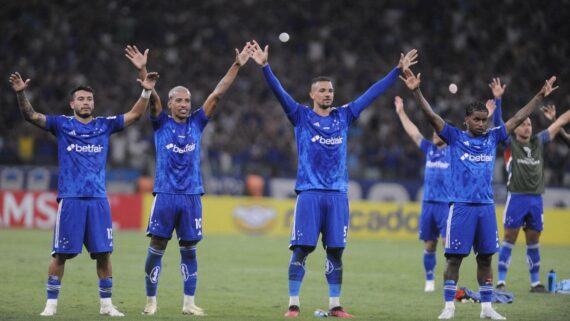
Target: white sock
(51,302)
(106,302)
(535,284)
(188,300)
(334,302)
(151,299)
(486,305)
(449,305)
(294,300)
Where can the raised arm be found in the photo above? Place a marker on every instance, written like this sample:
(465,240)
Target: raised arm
(138,109)
(30,115)
(410,128)
(413,84)
(139,60)
(261,58)
(224,84)
(383,84)
(524,112)
(498,90)
(557,125)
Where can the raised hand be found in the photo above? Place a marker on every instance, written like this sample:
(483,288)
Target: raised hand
(399,104)
(549,112)
(136,57)
(411,81)
(258,55)
(497,89)
(149,81)
(17,83)
(491,106)
(548,88)
(243,56)
(408,60)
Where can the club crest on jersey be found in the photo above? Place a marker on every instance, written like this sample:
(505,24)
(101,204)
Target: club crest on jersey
(85,148)
(186,149)
(477,158)
(327,141)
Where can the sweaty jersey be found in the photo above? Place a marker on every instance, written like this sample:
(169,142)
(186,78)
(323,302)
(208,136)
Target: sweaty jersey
(322,140)
(437,173)
(177,148)
(472,163)
(82,153)
(526,165)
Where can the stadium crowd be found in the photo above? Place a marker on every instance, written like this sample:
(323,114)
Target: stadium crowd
(62,44)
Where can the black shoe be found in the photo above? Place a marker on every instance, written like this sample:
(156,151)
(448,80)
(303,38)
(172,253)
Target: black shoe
(501,287)
(539,288)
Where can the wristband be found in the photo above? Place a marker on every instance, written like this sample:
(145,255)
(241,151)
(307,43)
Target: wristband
(146,93)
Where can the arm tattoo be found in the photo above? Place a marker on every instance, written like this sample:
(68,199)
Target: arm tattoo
(28,111)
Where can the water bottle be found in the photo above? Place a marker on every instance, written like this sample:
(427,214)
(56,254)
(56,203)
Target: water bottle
(320,313)
(551,281)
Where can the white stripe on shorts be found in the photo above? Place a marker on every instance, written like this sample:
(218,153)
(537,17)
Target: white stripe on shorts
(57,218)
(448,232)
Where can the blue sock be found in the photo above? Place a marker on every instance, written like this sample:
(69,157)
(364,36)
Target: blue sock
(333,271)
(449,289)
(486,292)
(189,269)
(53,286)
(533,260)
(152,268)
(105,288)
(297,269)
(504,260)
(429,264)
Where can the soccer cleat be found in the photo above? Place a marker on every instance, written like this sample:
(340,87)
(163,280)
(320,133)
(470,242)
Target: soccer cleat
(110,310)
(539,288)
(447,313)
(490,313)
(430,286)
(339,313)
(293,311)
(193,310)
(50,309)
(150,308)
(500,287)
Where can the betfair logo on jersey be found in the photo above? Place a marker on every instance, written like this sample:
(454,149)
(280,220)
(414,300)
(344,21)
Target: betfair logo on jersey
(477,158)
(85,148)
(327,141)
(186,149)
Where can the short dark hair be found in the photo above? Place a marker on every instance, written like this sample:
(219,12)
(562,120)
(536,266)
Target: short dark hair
(78,88)
(320,78)
(475,106)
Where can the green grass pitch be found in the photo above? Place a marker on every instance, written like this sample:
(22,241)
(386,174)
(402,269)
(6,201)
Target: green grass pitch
(245,278)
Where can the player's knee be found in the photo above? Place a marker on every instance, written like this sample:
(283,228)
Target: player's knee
(484,259)
(454,260)
(303,249)
(158,243)
(335,253)
(430,246)
(101,257)
(187,244)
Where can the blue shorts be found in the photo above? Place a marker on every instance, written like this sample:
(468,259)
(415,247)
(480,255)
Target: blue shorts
(471,226)
(82,221)
(318,212)
(524,210)
(176,211)
(433,220)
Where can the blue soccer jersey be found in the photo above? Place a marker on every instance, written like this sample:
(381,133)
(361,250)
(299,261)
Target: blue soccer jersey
(322,141)
(177,148)
(82,153)
(437,173)
(472,163)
